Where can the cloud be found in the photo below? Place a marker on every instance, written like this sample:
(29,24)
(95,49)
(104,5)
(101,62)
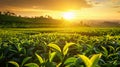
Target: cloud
(47,4)
(118,11)
(117,6)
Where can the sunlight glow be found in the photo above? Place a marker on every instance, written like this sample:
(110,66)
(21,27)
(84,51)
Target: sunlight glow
(68,15)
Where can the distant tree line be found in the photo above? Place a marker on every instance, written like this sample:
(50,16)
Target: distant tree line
(10,19)
(8,13)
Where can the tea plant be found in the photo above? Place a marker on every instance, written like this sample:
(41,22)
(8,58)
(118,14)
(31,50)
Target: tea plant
(92,62)
(61,53)
(22,48)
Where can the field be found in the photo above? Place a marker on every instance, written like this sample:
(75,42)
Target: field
(60,47)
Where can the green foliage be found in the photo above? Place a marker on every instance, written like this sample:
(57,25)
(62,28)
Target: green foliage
(39,58)
(31,65)
(105,51)
(29,47)
(48,62)
(70,61)
(54,46)
(61,54)
(94,59)
(25,60)
(52,55)
(92,62)
(14,63)
(66,47)
(22,64)
(11,20)
(1,56)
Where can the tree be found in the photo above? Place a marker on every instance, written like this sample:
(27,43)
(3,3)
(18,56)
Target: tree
(8,13)
(47,16)
(0,12)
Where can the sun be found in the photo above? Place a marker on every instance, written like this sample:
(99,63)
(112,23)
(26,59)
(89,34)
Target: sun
(68,15)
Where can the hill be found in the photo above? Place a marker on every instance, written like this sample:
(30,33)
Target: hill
(11,20)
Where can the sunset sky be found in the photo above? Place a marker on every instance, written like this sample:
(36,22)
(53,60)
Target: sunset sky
(82,9)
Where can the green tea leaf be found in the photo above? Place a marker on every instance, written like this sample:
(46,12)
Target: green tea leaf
(113,54)
(14,63)
(31,65)
(66,47)
(1,56)
(25,60)
(39,58)
(59,64)
(105,51)
(60,56)
(52,55)
(65,51)
(70,60)
(54,46)
(94,59)
(85,60)
(118,48)
(91,62)
(112,48)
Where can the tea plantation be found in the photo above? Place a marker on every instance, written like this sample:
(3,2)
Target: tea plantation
(40,47)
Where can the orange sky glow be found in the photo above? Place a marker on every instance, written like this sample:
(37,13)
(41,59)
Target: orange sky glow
(82,9)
